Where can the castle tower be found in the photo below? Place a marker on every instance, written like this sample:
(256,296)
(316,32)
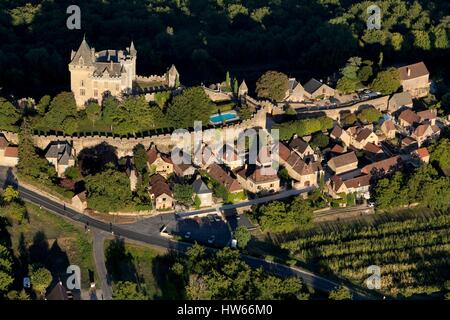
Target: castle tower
(173,77)
(95,74)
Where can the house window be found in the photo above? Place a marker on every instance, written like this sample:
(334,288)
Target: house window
(271,185)
(164,199)
(82,83)
(82,92)
(307,183)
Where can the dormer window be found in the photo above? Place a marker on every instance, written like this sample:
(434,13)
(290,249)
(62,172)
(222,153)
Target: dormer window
(81,61)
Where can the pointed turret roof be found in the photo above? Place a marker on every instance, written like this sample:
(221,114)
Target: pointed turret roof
(173,70)
(133,50)
(84,51)
(243,86)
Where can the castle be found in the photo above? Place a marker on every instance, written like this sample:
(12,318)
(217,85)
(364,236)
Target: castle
(95,74)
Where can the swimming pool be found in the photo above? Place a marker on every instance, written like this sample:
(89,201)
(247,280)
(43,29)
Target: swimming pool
(223,117)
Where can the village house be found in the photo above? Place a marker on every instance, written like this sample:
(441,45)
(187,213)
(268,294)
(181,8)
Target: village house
(427,117)
(383,167)
(343,163)
(259,180)
(414,78)
(398,100)
(160,192)
(340,135)
(79,201)
(408,143)
(373,151)
(226,179)
(61,155)
(422,155)
(295,91)
(9,155)
(408,118)
(302,148)
(202,191)
(359,185)
(304,174)
(388,128)
(425,132)
(230,157)
(159,163)
(337,149)
(363,136)
(315,89)
(182,164)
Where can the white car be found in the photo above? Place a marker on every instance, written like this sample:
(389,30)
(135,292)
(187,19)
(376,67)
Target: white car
(211,239)
(187,235)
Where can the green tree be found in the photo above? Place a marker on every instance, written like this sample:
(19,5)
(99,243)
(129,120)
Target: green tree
(108,191)
(320,141)
(197,202)
(10,194)
(93,112)
(62,114)
(30,164)
(397,41)
(125,290)
(391,193)
(440,155)
(349,119)
(140,158)
(6,270)
(161,98)
(72,173)
(387,82)
(421,39)
(340,293)
(272,85)
(9,115)
(191,105)
(41,278)
(183,193)
(243,236)
(244,113)
(369,115)
(43,105)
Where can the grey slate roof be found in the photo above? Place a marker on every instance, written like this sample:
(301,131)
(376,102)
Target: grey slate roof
(312,85)
(61,150)
(200,187)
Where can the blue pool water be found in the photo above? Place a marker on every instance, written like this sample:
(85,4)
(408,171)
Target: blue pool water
(227,116)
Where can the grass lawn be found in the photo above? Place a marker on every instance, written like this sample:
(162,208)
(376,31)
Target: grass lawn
(52,241)
(147,266)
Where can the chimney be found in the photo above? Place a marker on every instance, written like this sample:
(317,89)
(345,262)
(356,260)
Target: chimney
(408,70)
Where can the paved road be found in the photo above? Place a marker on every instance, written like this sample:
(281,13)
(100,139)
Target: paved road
(307,277)
(100,264)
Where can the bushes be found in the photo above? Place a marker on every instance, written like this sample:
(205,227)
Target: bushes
(303,127)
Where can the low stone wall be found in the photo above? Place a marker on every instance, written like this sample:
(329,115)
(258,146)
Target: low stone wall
(164,141)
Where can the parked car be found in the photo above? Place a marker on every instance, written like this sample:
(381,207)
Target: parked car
(211,239)
(371,204)
(187,235)
(217,218)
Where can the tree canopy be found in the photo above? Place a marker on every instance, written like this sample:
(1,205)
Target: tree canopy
(272,85)
(191,105)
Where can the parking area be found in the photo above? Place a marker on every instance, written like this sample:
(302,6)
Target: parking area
(209,230)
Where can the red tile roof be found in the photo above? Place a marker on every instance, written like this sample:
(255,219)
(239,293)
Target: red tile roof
(220,175)
(422,152)
(382,166)
(12,152)
(159,186)
(409,116)
(416,70)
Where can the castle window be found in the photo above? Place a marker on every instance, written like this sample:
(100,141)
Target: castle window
(82,92)
(95,93)
(82,83)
